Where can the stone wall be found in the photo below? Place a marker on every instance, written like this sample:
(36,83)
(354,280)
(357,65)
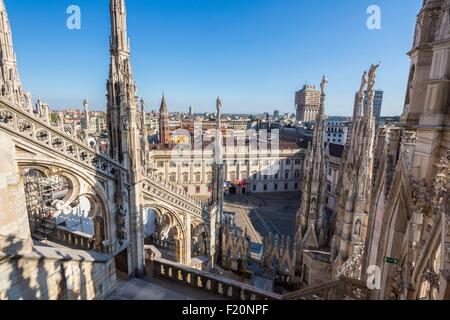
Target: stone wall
(23,278)
(13,211)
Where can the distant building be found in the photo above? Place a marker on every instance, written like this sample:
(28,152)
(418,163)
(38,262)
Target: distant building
(377,104)
(307,103)
(276,115)
(164,131)
(336,132)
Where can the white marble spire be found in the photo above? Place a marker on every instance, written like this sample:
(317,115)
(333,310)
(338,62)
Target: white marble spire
(10,84)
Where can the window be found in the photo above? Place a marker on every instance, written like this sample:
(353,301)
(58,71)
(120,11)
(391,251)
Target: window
(160,164)
(197,189)
(277,176)
(286,174)
(286,186)
(198,164)
(297,174)
(297,161)
(186,189)
(329,187)
(185,177)
(265,177)
(288,162)
(276,186)
(198,177)
(265,187)
(173,178)
(244,175)
(173,164)
(209,176)
(209,188)
(296,186)
(254,187)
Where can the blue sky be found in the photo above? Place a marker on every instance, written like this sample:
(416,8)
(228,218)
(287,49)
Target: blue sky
(253,53)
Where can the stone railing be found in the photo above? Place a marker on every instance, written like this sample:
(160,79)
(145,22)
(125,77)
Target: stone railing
(164,190)
(34,129)
(201,280)
(72,239)
(164,244)
(342,289)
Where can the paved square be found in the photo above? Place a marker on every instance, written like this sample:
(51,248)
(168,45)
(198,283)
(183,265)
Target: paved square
(265,213)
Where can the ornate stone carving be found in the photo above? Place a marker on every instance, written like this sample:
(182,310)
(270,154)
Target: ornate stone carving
(6,117)
(351,268)
(398,285)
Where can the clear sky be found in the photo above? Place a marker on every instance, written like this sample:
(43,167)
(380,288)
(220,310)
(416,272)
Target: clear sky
(253,53)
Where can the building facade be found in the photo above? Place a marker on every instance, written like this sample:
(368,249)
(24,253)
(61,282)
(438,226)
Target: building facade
(246,171)
(336,132)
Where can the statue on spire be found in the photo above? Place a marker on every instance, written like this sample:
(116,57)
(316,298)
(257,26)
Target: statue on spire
(218,106)
(323,85)
(373,74)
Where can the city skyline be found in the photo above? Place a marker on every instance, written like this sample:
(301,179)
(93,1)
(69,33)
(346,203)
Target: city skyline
(209,45)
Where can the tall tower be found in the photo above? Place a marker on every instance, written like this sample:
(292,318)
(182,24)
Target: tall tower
(125,136)
(307,103)
(164,134)
(86,121)
(310,233)
(10,84)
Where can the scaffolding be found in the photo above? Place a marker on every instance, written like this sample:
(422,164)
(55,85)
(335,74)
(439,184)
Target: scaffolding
(40,195)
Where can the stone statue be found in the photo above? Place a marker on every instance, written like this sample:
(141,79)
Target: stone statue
(357,228)
(373,74)
(218,106)
(323,84)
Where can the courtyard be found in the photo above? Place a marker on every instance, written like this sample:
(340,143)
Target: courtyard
(262,214)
